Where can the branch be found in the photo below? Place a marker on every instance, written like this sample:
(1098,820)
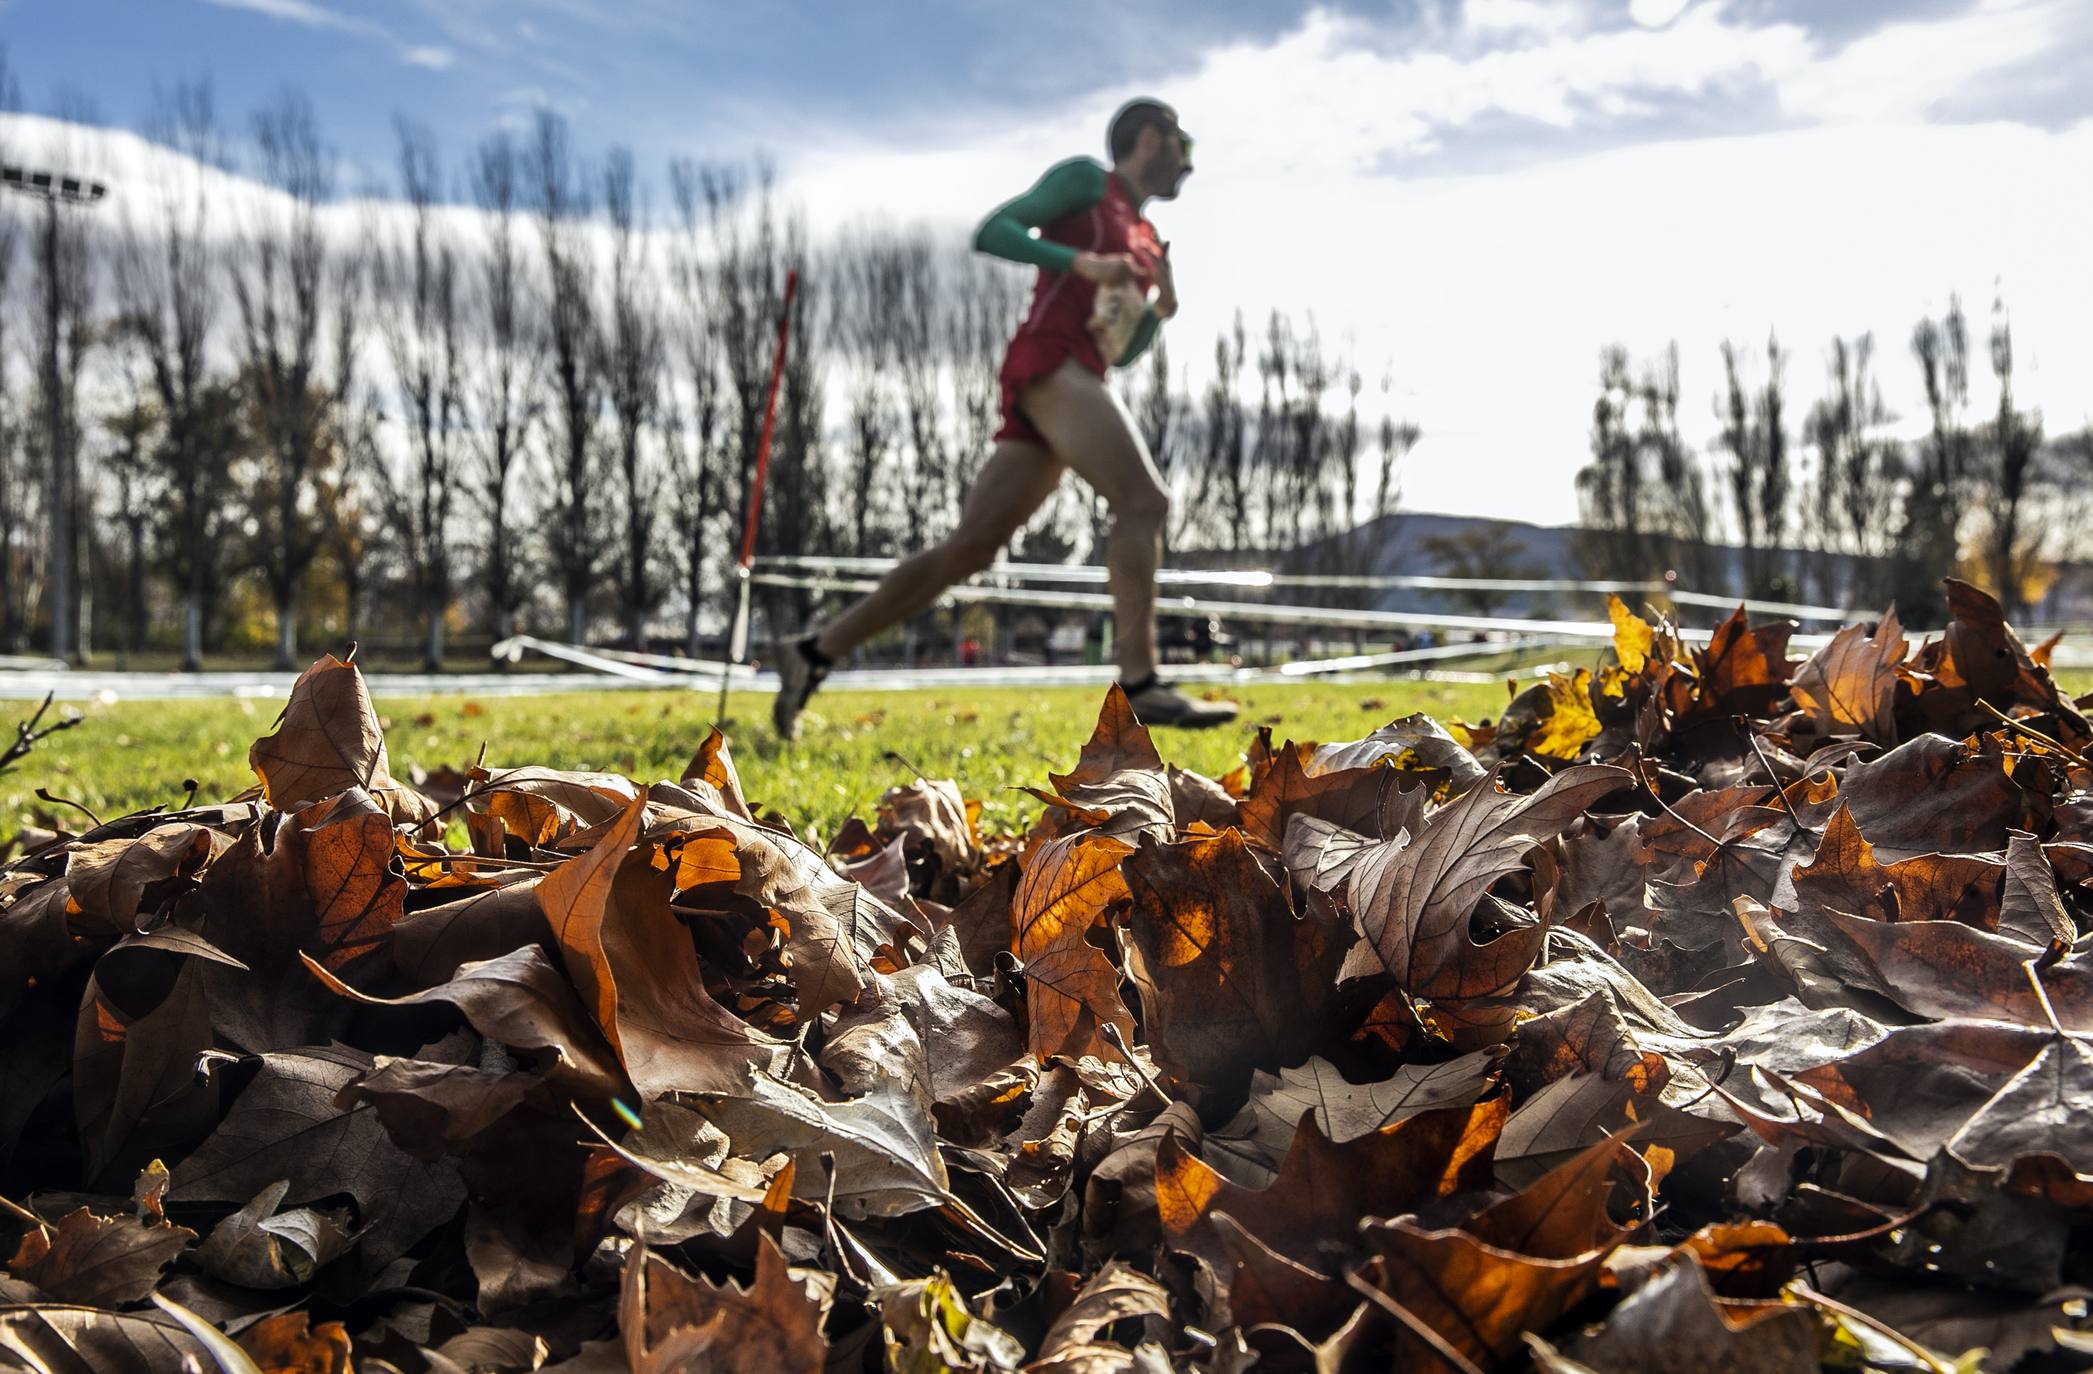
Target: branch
(27,735)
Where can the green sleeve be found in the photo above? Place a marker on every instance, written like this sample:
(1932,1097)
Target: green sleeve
(1068,187)
(1144,335)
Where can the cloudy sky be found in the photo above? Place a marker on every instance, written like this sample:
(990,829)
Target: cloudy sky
(1471,197)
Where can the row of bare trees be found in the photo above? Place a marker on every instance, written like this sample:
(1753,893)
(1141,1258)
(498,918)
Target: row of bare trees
(518,391)
(1840,508)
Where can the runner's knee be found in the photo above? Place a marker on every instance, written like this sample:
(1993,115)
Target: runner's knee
(967,554)
(1145,507)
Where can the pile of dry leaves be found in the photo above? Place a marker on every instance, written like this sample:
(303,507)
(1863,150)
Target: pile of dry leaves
(1715,1011)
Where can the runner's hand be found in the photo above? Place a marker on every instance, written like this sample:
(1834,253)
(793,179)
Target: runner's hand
(1166,291)
(1106,269)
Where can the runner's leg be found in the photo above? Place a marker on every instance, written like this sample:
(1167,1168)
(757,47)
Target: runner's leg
(1014,482)
(1090,431)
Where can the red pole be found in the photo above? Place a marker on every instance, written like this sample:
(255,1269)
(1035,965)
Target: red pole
(770,418)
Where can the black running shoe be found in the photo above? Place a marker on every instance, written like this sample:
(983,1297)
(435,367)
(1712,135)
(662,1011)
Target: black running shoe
(1161,704)
(798,678)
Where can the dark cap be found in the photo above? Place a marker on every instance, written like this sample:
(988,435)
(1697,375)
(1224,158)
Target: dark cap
(1131,118)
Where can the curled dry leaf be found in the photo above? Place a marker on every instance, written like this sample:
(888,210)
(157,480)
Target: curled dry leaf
(328,741)
(1415,900)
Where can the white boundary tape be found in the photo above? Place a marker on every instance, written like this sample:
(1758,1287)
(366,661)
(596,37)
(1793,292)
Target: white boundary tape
(1089,574)
(1251,612)
(617,662)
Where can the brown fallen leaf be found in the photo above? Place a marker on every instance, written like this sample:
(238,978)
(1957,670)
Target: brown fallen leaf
(289,1343)
(1845,876)
(286,1126)
(1672,1321)
(1072,988)
(1394,1170)
(672,1322)
(1414,901)
(1231,979)
(1119,776)
(1462,1294)
(1250,1147)
(97,1261)
(327,741)
(1849,686)
(638,973)
(522,1001)
(1350,798)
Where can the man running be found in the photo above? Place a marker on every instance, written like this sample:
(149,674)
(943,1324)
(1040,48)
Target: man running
(1058,414)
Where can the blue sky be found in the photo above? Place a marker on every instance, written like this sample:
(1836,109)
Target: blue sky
(707,77)
(1471,197)
(666,76)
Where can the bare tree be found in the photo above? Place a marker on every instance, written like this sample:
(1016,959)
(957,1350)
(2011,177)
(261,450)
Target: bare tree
(1682,488)
(502,394)
(355,496)
(1397,438)
(698,449)
(17,478)
(2014,548)
(796,504)
(752,253)
(1610,488)
(128,469)
(633,359)
(1929,543)
(1226,482)
(416,277)
(987,299)
(871,281)
(1860,471)
(65,280)
(915,338)
(574,357)
(747,282)
(282,276)
(167,274)
(1755,434)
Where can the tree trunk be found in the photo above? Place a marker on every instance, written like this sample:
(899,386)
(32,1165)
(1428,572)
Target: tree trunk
(192,625)
(432,656)
(577,620)
(135,631)
(286,630)
(693,640)
(59,575)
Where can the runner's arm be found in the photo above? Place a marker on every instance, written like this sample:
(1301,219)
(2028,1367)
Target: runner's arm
(1076,184)
(1151,319)
(1144,335)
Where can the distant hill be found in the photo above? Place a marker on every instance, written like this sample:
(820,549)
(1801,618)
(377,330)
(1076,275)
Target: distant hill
(1410,544)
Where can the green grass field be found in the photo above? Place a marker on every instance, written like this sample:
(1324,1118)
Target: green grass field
(127,755)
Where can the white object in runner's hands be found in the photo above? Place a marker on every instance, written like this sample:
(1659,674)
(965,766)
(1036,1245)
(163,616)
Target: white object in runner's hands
(1114,316)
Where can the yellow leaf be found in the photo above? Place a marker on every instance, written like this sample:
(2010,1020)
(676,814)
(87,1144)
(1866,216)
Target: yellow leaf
(1570,724)
(1632,637)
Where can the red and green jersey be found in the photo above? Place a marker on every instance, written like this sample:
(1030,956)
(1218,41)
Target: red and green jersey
(1077,207)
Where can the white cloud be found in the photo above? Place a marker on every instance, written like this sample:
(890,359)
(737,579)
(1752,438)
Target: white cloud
(1903,70)
(1490,295)
(315,16)
(1522,16)
(303,12)
(1655,14)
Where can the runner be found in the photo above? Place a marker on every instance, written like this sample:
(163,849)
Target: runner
(1098,259)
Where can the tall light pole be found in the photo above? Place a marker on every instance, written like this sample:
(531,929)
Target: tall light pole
(56,189)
